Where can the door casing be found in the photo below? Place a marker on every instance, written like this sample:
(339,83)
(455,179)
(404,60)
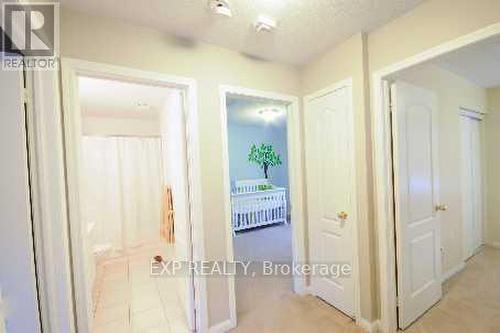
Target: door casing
(295,172)
(21,280)
(69,256)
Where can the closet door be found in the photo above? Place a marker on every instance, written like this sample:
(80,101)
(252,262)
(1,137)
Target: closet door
(477,238)
(471,184)
(330,196)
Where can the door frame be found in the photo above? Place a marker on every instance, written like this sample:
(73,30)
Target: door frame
(348,83)
(295,179)
(27,211)
(49,201)
(383,185)
(77,305)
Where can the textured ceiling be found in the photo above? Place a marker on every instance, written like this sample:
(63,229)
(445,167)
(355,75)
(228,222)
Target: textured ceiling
(479,63)
(305,27)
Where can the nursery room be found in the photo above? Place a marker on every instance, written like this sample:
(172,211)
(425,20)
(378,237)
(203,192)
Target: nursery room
(260,205)
(133,203)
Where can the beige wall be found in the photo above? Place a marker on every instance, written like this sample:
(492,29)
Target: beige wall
(342,62)
(348,60)
(492,144)
(428,25)
(452,92)
(115,42)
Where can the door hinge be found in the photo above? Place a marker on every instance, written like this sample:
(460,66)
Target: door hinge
(398,302)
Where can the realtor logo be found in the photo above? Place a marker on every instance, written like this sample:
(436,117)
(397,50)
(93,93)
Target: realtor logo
(31,28)
(31,36)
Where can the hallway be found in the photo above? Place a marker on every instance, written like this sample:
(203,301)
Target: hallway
(267,304)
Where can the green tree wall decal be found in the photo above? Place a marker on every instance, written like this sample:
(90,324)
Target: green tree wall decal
(264,156)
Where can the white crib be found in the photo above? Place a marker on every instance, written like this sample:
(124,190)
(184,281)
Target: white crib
(252,207)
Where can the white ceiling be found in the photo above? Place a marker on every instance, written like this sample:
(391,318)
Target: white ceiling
(115,99)
(245,111)
(305,27)
(479,63)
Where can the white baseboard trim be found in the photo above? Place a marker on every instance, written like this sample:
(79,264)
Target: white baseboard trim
(222,327)
(370,327)
(455,270)
(305,291)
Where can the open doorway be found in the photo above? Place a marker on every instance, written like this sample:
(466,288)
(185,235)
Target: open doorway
(442,115)
(129,174)
(131,200)
(260,205)
(263,202)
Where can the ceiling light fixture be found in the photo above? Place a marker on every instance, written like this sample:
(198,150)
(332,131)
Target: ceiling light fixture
(265,23)
(220,7)
(269,115)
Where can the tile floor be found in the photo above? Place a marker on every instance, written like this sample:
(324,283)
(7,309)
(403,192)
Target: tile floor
(128,299)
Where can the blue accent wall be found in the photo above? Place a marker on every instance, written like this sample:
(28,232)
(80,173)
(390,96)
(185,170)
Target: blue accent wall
(241,137)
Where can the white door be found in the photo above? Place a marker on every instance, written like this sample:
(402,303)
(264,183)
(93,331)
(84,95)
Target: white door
(418,236)
(17,268)
(173,128)
(472,189)
(330,194)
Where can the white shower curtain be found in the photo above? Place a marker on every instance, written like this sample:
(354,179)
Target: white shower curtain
(122,184)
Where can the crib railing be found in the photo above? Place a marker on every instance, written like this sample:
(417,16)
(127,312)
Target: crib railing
(259,208)
(249,185)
